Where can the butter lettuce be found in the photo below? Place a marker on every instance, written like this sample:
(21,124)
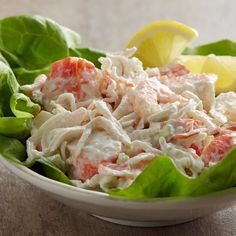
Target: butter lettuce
(30,44)
(22,106)
(12,124)
(8,86)
(2,59)
(162,179)
(14,151)
(220,48)
(15,127)
(89,54)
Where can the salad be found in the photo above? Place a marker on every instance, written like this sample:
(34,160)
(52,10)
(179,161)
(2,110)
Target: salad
(104,122)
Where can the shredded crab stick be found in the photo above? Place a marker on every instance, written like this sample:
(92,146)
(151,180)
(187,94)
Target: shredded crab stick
(217,148)
(68,75)
(108,124)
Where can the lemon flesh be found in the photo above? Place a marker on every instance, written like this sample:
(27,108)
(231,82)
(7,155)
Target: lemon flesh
(161,42)
(223,66)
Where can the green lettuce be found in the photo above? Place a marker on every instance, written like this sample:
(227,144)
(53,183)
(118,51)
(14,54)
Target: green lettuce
(24,109)
(14,151)
(162,179)
(89,54)
(2,59)
(9,125)
(220,48)
(15,108)
(8,86)
(24,75)
(30,44)
(22,106)
(15,127)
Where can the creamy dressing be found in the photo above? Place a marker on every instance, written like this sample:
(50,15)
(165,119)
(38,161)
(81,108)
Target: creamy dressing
(224,107)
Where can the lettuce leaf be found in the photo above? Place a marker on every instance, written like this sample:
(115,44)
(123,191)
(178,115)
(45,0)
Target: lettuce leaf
(89,54)
(32,43)
(220,48)
(14,151)
(46,168)
(8,86)
(22,106)
(15,127)
(24,75)
(13,103)
(2,59)
(162,179)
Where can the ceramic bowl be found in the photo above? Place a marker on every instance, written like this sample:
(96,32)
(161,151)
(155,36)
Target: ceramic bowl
(152,212)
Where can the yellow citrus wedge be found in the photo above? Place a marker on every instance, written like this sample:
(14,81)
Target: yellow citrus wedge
(161,42)
(223,66)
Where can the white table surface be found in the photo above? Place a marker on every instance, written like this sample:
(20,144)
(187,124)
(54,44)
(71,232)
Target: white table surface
(108,25)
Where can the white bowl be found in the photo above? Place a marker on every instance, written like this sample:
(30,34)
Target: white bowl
(153,212)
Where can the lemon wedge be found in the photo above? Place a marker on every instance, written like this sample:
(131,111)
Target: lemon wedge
(223,66)
(161,42)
